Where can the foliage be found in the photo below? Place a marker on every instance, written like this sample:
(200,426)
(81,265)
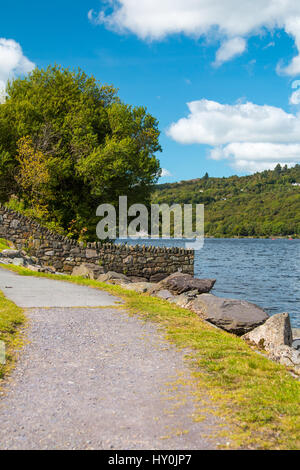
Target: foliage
(4,244)
(34,175)
(261,205)
(40,213)
(71,144)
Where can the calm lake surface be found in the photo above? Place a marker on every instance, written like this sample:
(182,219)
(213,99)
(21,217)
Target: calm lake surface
(265,272)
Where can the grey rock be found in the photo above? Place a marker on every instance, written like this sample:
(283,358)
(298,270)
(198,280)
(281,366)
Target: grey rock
(6,260)
(35,268)
(49,269)
(114,278)
(89,271)
(15,223)
(49,253)
(141,287)
(19,262)
(287,356)
(164,294)
(178,283)
(137,279)
(91,253)
(235,316)
(296,333)
(10,253)
(276,331)
(296,338)
(185,299)
(158,277)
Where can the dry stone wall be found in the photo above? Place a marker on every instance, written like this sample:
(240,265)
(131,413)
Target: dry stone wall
(52,249)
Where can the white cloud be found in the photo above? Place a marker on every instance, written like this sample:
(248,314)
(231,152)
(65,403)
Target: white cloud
(295,84)
(229,20)
(249,156)
(229,49)
(213,123)
(251,137)
(12,61)
(295,96)
(271,44)
(165,172)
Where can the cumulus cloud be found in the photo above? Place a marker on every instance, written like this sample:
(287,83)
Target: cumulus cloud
(257,156)
(229,49)
(165,172)
(251,137)
(231,21)
(295,96)
(12,62)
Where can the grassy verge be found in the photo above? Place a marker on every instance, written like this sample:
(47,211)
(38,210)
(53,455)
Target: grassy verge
(11,318)
(259,398)
(4,244)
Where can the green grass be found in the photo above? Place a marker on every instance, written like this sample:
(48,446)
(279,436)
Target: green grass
(259,398)
(4,244)
(11,318)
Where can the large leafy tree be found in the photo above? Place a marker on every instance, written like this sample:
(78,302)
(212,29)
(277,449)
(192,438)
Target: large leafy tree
(92,146)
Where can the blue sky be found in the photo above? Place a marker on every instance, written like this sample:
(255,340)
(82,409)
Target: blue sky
(238,74)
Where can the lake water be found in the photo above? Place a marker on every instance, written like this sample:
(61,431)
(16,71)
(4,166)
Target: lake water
(265,272)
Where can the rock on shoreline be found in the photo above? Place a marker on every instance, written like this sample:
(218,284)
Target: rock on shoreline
(234,316)
(276,337)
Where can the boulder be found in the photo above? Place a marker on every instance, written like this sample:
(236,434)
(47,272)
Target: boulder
(136,279)
(141,287)
(49,269)
(10,253)
(184,300)
(296,338)
(19,262)
(276,331)
(296,333)
(158,277)
(287,356)
(89,271)
(114,278)
(235,316)
(164,294)
(178,283)
(34,268)
(6,260)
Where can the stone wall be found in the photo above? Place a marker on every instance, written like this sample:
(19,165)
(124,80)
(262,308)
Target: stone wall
(64,254)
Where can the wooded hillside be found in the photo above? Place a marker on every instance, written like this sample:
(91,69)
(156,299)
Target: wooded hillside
(264,204)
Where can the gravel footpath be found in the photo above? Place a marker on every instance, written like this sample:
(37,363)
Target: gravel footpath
(96,378)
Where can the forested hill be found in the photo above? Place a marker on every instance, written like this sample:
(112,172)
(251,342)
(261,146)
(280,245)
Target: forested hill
(264,204)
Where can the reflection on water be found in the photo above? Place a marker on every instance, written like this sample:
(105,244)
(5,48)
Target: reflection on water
(266,272)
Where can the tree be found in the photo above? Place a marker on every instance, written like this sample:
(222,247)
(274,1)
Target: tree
(277,169)
(33,176)
(92,146)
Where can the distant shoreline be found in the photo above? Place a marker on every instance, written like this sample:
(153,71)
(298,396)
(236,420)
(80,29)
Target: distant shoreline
(271,237)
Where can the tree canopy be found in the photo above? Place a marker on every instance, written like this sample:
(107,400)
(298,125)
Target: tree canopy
(68,144)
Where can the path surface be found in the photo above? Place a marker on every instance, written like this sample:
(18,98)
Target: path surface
(94,378)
